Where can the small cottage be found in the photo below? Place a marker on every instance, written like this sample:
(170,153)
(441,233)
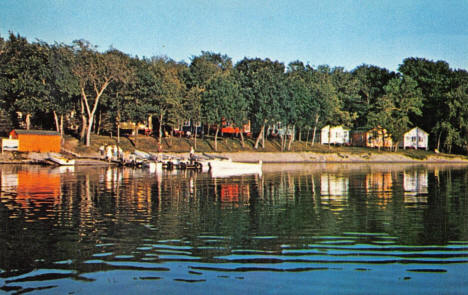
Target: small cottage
(37,140)
(334,135)
(416,138)
(377,137)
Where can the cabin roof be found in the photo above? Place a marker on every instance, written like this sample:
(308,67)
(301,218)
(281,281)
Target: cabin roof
(36,132)
(417,129)
(336,126)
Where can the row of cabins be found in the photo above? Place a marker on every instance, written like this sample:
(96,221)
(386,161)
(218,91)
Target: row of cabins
(415,138)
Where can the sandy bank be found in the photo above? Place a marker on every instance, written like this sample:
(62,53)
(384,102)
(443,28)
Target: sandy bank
(310,157)
(289,157)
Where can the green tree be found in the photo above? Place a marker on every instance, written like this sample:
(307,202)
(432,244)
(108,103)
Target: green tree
(371,81)
(331,106)
(64,90)
(95,72)
(455,124)
(262,83)
(402,99)
(434,80)
(24,77)
(220,102)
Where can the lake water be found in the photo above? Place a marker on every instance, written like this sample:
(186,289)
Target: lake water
(297,229)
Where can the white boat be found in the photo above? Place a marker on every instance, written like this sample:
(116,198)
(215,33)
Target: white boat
(155,167)
(60,160)
(142,155)
(225,172)
(224,167)
(207,164)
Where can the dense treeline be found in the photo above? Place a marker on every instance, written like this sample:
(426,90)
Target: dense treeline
(76,88)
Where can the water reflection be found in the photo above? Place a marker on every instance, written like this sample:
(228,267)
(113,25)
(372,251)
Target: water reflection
(65,228)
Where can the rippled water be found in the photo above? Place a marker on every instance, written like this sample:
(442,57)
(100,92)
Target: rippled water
(297,229)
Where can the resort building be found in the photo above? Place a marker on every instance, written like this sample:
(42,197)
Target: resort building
(416,138)
(37,140)
(377,137)
(334,135)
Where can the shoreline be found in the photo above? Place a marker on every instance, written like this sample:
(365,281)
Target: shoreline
(313,157)
(291,157)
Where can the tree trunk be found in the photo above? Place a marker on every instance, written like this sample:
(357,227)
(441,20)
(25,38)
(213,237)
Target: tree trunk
(91,112)
(260,135)
(118,130)
(160,128)
(57,124)
(263,136)
(88,131)
(216,139)
(315,129)
(28,121)
(61,125)
(438,140)
(242,139)
(307,138)
(83,122)
(293,135)
(98,124)
(195,138)
(136,134)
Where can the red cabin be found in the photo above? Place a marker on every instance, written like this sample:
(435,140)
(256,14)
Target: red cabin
(37,140)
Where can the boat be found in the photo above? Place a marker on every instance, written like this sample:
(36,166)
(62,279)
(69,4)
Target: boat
(207,161)
(60,160)
(154,167)
(225,166)
(221,173)
(237,167)
(142,155)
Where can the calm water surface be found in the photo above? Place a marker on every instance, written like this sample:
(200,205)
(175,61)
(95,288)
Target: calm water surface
(297,229)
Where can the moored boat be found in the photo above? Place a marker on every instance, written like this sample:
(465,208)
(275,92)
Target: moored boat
(60,160)
(225,166)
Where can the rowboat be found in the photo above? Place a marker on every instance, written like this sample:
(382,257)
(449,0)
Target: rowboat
(229,172)
(222,167)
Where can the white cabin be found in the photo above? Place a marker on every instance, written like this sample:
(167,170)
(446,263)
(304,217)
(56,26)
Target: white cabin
(337,134)
(416,138)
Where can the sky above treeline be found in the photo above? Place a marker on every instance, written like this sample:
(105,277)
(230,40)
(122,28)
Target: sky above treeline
(344,33)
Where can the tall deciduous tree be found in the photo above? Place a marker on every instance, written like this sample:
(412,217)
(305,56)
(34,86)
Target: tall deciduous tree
(402,99)
(95,72)
(262,83)
(64,90)
(220,101)
(371,81)
(434,80)
(24,77)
